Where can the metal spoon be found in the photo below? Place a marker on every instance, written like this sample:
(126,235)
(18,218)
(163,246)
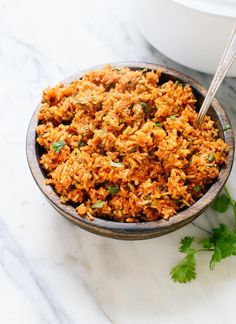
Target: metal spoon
(226,61)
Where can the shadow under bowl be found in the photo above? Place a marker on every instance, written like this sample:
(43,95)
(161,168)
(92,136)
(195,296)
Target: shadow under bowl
(145,230)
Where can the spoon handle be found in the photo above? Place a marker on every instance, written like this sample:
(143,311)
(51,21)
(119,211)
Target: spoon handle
(226,61)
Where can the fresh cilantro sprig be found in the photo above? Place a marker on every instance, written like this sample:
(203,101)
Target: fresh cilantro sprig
(57,146)
(98,204)
(221,243)
(185,270)
(113,189)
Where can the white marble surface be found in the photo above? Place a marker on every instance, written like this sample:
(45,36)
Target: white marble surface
(50,270)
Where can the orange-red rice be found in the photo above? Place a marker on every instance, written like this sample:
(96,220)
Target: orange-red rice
(132,152)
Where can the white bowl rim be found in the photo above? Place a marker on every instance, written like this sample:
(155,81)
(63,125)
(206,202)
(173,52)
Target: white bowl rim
(217,8)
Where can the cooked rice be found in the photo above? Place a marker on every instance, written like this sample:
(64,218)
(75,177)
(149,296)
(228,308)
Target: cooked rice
(120,146)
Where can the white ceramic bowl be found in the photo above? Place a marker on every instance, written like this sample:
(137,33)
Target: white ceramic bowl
(190,32)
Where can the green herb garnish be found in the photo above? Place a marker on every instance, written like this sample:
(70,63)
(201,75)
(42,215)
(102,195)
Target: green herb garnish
(81,144)
(211,157)
(116,164)
(113,189)
(57,146)
(158,124)
(129,82)
(197,188)
(226,127)
(221,203)
(221,244)
(176,82)
(98,204)
(144,106)
(185,270)
(173,117)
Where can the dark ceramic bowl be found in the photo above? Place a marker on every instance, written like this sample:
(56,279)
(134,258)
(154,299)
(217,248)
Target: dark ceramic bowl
(145,230)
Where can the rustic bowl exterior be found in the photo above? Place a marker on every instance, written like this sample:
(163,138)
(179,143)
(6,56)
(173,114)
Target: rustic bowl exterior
(145,230)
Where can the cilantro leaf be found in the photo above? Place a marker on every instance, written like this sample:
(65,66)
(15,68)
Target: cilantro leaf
(197,188)
(221,242)
(116,164)
(206,244)
(225,240)
(143,104)
(145,107)
(216,257)
(57,146)
(185,270)
(211,157)
(221,203)
(158,124)
(98,204)
(219,232)
(81,144)
(185,244)
(113,189)
(226,127)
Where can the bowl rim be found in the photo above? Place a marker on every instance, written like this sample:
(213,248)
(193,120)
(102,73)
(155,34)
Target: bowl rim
(221,10)
(148,229)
